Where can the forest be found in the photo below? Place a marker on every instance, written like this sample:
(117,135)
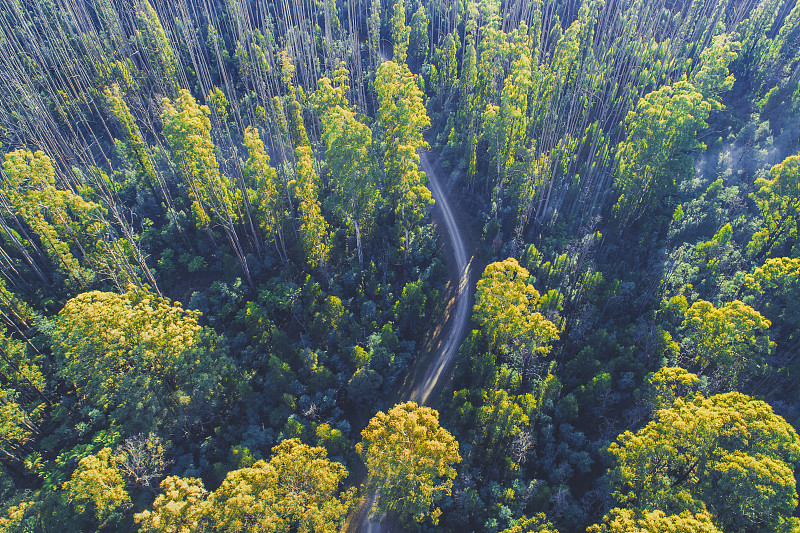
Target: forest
(328,266)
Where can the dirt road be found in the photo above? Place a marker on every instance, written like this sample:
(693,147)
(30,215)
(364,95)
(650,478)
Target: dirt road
(452,341)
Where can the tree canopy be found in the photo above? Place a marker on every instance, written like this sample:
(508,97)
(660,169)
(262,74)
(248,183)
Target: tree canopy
(220,257)
(506,305)
(141,358)
(727,452)
(410,460)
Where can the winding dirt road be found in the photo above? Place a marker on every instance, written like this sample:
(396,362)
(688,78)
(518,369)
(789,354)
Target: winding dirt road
(423,391)
(438,366)
(458,325)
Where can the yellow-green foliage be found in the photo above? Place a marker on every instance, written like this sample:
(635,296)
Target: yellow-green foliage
(296,491)
(506,308)
(188,131)
(266,197)
(776,285)
(136,149)
(348,157)
(402,113)
(97,484)
(778,199)
(219,102)
(182,508)
(60,218)
(410,460)
(156,43)
(660,132)
(400,32)
(728,341)
(728,453)
(669,384)
(129,352)
(313,226)
(15,430)
(629,521)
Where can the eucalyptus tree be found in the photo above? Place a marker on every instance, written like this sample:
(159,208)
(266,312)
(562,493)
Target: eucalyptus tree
(402,114)
(411,461)
(418,38)
(267,196)
(314,229)
(349,159)
(400,31)
(63,221)
(660,133)
(728,453)
(778,199)
(215,200)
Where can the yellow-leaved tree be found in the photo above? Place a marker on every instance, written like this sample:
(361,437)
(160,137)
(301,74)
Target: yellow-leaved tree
(722,463)
(297,491)
(410,460)
(66,224)
(506,309)
(140,358)
(402,113)
(97,487)
(729,342)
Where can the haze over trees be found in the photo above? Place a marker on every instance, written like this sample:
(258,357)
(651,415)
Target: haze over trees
(220,263)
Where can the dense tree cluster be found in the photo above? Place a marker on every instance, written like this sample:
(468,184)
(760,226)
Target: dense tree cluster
(218,265)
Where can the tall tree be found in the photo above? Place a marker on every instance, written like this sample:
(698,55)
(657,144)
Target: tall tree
(778,199)
(154,41)
(400,31)
(136,149)
(61,219)
(712,77)
(505,125)
(97,487)
(215,199)
(447,64)
(629,521)
(183,507)
(350,164)
(188,130)
(402,114)
(314,228)
(297,490)
(267,196)
(729,341)
(374,33)
(140,358)
(506,307)
(468,107)
(776,287)
(655,154)
(21,366)
(784,50)
(16,429)
(418,38)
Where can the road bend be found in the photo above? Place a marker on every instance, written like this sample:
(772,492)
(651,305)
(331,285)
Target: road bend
(444,359)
